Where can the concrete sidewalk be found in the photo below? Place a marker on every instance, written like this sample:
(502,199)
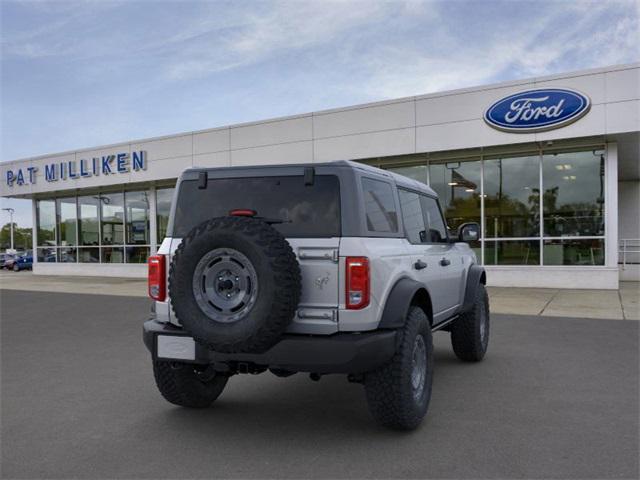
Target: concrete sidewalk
(623,304)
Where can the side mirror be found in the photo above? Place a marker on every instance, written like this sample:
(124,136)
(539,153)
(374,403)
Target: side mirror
(468,232)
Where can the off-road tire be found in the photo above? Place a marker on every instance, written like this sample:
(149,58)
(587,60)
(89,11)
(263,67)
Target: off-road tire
(468,340)
(389,391)
(279,284)
(180,384)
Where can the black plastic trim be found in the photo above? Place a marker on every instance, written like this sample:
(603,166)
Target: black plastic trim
(338,353)
(473,280)
(398,302)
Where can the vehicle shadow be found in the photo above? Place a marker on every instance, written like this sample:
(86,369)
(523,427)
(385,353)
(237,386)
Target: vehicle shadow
(263,404)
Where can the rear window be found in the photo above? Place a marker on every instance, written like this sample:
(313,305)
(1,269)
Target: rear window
(306,210)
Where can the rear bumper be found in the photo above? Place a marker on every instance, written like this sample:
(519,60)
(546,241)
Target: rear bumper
(338,353)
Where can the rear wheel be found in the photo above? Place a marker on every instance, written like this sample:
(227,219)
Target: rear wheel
(398,394)
(188,385)
(470,332)
(16,268)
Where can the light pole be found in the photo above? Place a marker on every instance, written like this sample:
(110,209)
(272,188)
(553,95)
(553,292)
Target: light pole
(11,211)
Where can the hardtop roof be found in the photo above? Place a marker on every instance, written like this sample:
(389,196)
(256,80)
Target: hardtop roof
(400,180)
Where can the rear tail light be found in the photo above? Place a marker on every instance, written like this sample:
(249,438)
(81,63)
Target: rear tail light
(157,278)
(357,283)
(242,212)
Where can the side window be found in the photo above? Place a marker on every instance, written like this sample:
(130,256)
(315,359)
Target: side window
(412,216)
(379,205)
(436,228)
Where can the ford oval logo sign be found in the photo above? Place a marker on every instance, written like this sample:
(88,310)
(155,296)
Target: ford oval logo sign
(537,110)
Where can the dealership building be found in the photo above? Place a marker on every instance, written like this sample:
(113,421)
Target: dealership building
(549,166)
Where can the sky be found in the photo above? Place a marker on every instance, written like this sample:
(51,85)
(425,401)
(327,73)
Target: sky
(87,73)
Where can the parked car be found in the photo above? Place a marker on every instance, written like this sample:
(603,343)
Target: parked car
(326,268)
(23,262)
(8,260)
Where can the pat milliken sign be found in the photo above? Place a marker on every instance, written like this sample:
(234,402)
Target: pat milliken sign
(537,110)
(105,165)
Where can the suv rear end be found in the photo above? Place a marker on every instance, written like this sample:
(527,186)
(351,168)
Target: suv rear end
(309,209)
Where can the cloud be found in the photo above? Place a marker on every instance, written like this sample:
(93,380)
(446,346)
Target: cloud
(102,72)
(526,47)
(287,26)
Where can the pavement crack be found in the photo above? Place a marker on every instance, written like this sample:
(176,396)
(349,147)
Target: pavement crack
(550,300)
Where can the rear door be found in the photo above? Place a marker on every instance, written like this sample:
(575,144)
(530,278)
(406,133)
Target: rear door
(443,257)
(432,256)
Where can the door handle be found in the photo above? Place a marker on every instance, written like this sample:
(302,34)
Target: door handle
(419,265)
(444,262)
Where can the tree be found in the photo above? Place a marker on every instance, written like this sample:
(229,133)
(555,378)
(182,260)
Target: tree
(21,237)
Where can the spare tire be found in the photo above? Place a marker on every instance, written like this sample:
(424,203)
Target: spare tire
(234,284)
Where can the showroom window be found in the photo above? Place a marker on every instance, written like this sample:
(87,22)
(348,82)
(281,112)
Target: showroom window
(163,209)
(512,197)
(67,222)
(46,230)
(563,226)
(138,238)
(88,229)
(111,227)
(573,208)
(458,187)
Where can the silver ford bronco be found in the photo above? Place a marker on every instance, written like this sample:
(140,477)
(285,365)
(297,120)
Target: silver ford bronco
(321,268)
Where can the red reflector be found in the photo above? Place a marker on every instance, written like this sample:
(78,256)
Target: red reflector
(357,282)
(242,212)
(157,278)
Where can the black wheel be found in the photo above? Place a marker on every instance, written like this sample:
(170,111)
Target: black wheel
(470,332)
(187,385)
(16,268)
(235,284)
(398,394)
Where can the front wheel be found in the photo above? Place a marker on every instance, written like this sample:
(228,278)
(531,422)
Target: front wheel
(398,394)
(16,268)
(470,332)
(187,385)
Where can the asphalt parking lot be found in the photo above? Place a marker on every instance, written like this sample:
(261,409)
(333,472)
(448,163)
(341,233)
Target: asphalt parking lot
(555,397)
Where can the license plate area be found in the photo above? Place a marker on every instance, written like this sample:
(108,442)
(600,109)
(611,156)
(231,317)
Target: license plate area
(173,347)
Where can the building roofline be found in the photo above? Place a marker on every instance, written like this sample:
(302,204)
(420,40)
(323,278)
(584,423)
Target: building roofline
(445,93)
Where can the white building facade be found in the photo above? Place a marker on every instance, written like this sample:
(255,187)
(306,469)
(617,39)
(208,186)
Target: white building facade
(550,168)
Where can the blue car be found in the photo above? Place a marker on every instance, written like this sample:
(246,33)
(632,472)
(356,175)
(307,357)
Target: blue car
(25,262)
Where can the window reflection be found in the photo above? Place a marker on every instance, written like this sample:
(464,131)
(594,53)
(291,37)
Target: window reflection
(574,252)
(112,255)
(458,187)
(512,197)
(112,211)
(46,219)
(137,217)
(163,208)
(88,220)
(137,254)
(512,252)
(89,255)
(573,198)
(67,255)
(417,172)
(67,213)
(46,255)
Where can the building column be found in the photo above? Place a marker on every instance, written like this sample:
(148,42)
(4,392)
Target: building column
(611,205)
(153,220)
